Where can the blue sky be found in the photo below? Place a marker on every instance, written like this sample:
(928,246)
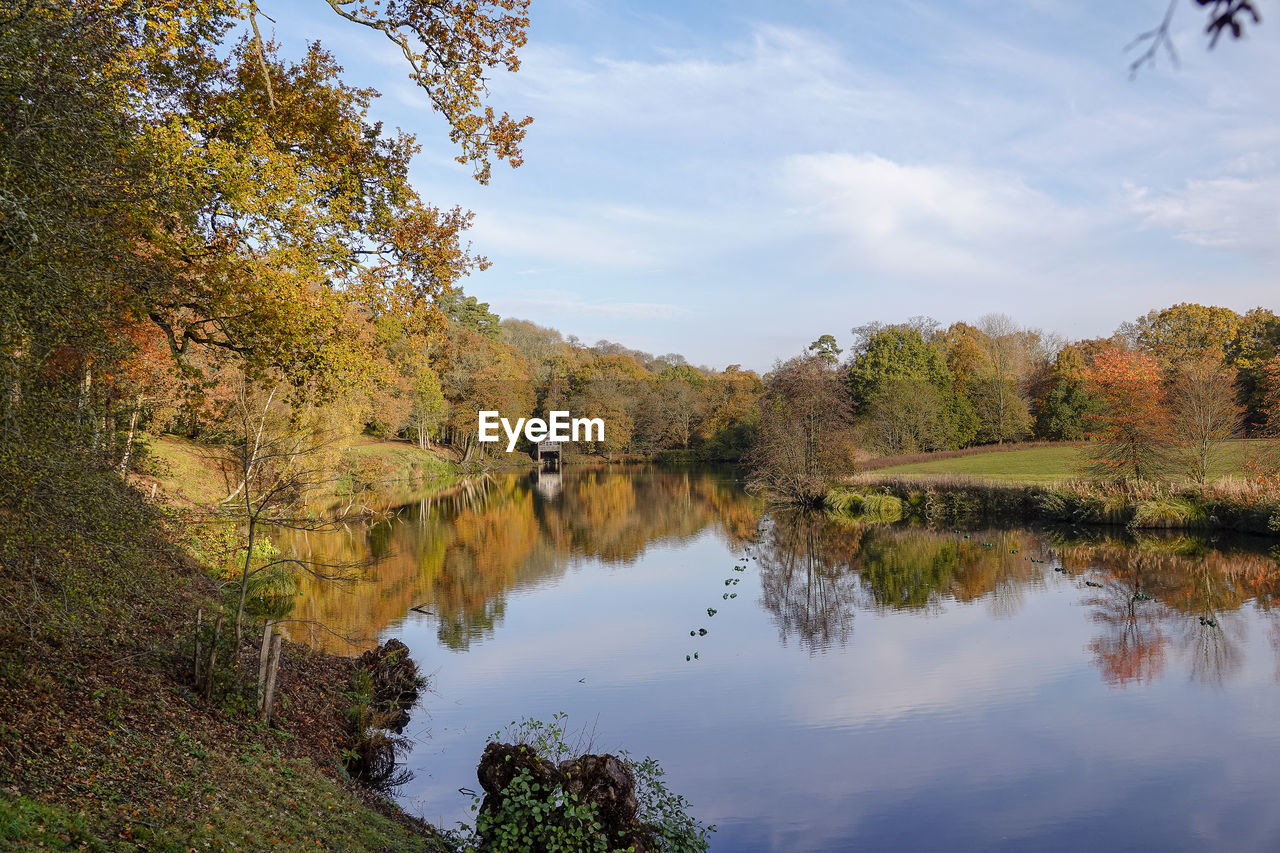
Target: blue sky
(730,180)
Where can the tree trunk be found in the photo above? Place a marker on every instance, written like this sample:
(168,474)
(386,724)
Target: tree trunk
(85,385)
(128,443)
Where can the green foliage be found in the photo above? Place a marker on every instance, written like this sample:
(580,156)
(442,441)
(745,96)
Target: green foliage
(876,507)
(895,352)
(27,824)
(904,393)
(539,818)
(469,312)
(842,501)
(532,820)
(1179,512)
(826,347)
(882,509)
(678,831)
(272,592)
(1064,414)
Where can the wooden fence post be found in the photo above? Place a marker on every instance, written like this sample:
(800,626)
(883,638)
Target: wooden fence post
(272,672)
(263,656)
(195,657)
(213,658)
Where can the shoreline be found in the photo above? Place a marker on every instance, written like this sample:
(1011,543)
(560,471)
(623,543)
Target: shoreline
(1229,505)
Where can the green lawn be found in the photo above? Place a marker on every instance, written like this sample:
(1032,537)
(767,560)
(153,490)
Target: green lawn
(1033,465)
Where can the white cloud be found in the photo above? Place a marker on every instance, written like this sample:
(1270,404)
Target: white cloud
(925,220)
(565,302)
(576,240)
(1241,213)
(771,84)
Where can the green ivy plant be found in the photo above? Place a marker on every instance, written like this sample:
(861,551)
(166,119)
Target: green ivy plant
(533,817)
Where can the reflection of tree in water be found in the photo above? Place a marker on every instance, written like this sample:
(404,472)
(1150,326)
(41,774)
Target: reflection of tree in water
(459,552)
(816,571)
(806,581)
(914,569)
(1193,585)
(1131,646)
(1265,587)
(906,572)
(1215,654)
(458,629)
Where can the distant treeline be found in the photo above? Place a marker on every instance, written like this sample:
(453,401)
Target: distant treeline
(1160,397)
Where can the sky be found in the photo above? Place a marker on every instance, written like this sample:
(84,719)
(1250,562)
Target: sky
(731,180)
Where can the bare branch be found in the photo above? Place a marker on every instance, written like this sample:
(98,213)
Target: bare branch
(1154,39)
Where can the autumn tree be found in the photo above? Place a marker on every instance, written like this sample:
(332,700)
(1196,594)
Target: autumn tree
(676,406)
(997,388)
(1203,415)
(805,435)
(1255,344)
(1131,429)
(1184,333)
(893,366)
(478,373)
(1064,413)
(70,214)
(543,348)
(428,409)
(1264,461)
(732,412)
(612,387)
(239,201)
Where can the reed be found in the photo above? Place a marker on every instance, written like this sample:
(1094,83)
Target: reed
(1228,504)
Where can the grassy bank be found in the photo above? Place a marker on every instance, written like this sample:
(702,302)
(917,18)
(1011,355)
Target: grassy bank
(1043,463)
(103,745)
(186,473)
(1229,504)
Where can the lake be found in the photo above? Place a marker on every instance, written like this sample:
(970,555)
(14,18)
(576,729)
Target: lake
(858,687)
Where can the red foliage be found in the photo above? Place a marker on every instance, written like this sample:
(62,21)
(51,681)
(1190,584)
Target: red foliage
(1132,427)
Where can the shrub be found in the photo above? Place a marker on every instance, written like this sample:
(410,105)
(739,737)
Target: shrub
(538,809)
(844,502)
(1169,512)
(883,509)
(875,508)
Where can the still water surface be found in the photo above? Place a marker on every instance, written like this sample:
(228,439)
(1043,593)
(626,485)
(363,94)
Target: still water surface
(875,688)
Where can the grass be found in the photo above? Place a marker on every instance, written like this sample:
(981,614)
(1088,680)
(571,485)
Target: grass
(1034,465)
(252,800)
(103,746)
(402,457)
(180,468)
